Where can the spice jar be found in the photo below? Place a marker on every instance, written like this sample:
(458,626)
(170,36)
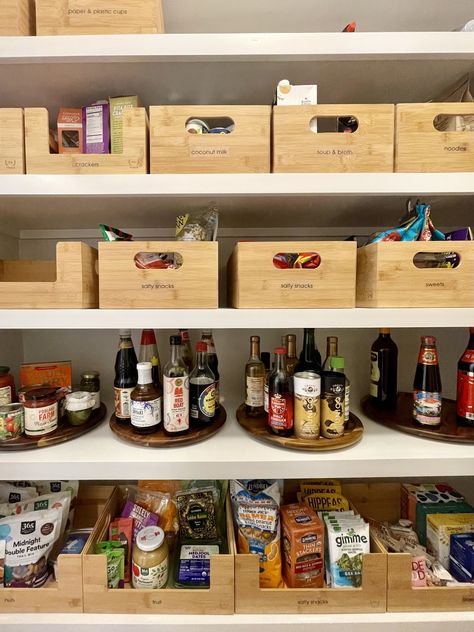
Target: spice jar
(11,421)
(41,411)
(150,559)
(79,406)
(7,386)
(90,382)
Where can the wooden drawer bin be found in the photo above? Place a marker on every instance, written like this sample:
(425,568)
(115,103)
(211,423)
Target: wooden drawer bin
(388,277)
(17,17)
(192,286)
(217,599)
(370,597)
(12,141)
(65,593)
(134,158)
(98,17)
(69,282)
(245,150)
(420,147)
(296,148)
(254,281)
(381,501)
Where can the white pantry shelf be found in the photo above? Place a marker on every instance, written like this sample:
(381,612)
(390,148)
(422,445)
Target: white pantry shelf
(35,202)
(388,621)
(232,453)
(235,47)
(227,318)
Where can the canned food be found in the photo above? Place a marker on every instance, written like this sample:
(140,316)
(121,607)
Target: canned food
(11,421)
(307,389)
(196,126)
(220,130)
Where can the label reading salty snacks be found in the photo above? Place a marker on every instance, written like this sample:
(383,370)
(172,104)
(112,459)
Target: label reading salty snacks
(256,508)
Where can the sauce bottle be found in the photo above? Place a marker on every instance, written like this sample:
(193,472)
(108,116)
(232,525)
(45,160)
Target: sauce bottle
(175,392)
(126,375)
(149,353)
(202,389)
(254,380)
(310,358)
(337,364)
(7,386)
(331,350)
(383,371)
(427,386)
(291,358)
(465,389)
(280,397)
(212,361)
(186,351)
(333,395)
(145,401)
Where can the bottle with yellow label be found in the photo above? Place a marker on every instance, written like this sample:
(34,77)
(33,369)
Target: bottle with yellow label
(202,390)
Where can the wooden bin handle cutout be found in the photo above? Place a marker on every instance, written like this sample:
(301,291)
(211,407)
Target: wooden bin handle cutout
(437,260)
(209,125)
(158,260)
(334,124)
(296,260)
(441,122)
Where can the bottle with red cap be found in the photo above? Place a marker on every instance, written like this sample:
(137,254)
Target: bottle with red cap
(427,386)
(280,397)
(202,389)
(465,396)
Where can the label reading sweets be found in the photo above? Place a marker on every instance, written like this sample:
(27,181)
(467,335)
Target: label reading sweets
(209,152)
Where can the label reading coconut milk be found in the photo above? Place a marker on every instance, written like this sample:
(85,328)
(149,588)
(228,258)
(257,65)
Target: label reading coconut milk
(209,152)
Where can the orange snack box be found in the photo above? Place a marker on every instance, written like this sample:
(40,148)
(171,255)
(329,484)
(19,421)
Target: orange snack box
(303,547)
(58,374)
(70,131)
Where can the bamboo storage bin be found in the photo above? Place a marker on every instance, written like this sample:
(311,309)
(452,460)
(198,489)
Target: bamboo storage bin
(298,149)
(420,147)
(192,286)
(98,17)
(370,597)
(245,150)
(17,17)
(133,160)
(254,282)
(381,501)
(65,594)
(69,282)
(387,276)
(12,141)
(217,599)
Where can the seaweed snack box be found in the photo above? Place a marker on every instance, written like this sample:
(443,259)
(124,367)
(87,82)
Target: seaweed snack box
(303,547)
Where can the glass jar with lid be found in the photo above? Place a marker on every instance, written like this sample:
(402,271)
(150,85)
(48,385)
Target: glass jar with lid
(79,406)
(90,382)
(150,559)
(41,410)
(7,386)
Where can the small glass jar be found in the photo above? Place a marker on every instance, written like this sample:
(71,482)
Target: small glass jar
(7,386)
(150,559)
(90,382)
(79,406)
(41,410)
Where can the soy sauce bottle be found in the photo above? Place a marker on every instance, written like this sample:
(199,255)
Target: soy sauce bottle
(280,397)
(126,376)
(427,386)
(383,371)
(202,390)
(465,396)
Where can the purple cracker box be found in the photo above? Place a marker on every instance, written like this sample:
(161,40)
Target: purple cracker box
(96,129)
(461,234)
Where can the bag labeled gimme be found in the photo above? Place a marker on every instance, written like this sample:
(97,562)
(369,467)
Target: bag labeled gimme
(256,510)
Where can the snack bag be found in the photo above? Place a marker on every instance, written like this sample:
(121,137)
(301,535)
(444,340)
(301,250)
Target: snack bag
(29,539)
(115,554)
(256,509)
(109,233)
(60,501)
(416,227)
(51,487)
(347,542)
(141,517)
(9,493)
(197,510)
(198,226)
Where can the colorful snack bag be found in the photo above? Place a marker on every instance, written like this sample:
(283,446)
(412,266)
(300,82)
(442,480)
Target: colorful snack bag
(115,554)
(141,517)
(256,509)
(60,501)
(121,530)
(198,226)
(11,494)
(110,233)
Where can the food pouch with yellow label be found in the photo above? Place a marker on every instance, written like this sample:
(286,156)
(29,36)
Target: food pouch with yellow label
(327,502)
(256,509)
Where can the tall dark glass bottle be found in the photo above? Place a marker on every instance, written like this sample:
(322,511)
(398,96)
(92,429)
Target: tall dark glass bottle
(280,397)
(126,375)
(383,371)
(310,358)
(465,398)
(212,361)
(202,389)
(427,386)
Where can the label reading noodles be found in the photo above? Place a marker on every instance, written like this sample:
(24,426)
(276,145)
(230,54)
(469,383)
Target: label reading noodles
(176,403)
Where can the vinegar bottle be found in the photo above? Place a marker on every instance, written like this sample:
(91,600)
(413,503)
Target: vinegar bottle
(465,397)
(280,397)
(175,392)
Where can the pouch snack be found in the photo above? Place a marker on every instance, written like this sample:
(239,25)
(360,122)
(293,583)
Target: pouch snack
(61,502)
(141,517)
(121,530)
(256,509)
(303,547)
(115,554)
(29,539)
(347,543)
(197,510)
(11,494)
(52,487)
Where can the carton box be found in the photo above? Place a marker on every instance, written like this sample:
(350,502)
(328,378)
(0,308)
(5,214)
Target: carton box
(70,131)
(440,527)
(117,106)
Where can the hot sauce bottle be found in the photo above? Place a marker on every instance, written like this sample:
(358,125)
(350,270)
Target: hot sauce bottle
(280,396)
(465,396)
(427,386)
